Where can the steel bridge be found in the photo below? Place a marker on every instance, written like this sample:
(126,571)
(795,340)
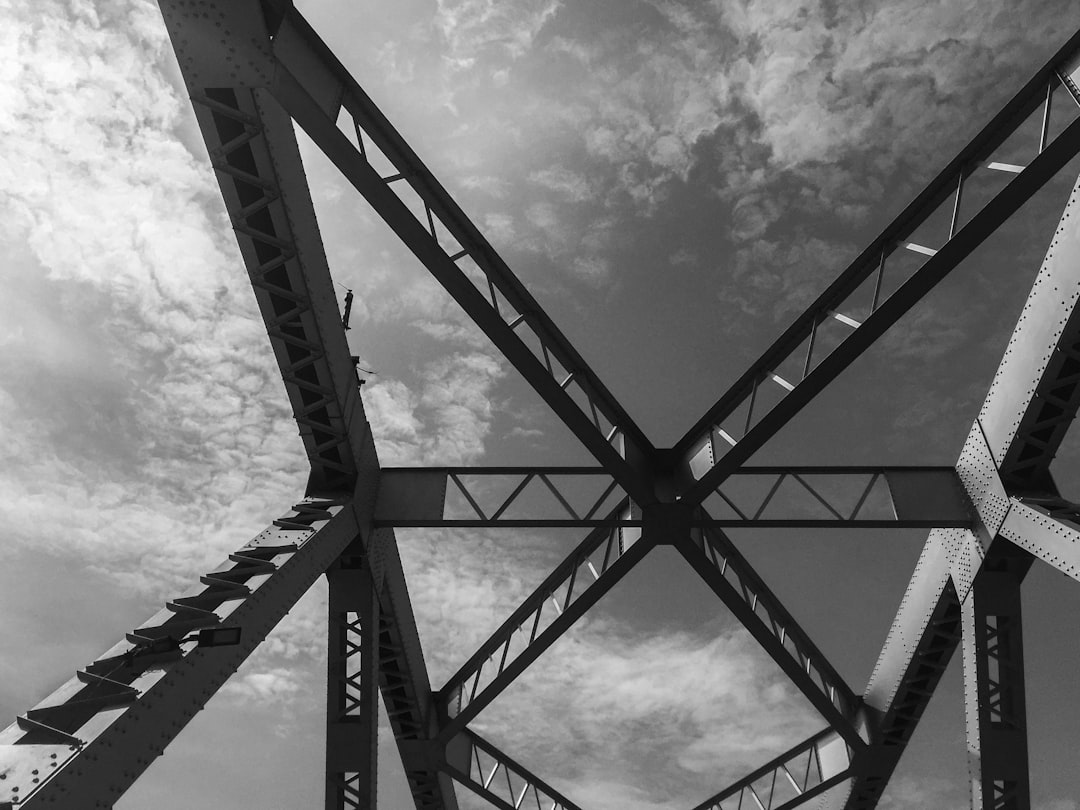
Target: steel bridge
(253,68)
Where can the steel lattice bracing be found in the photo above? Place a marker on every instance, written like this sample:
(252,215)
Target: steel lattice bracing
(794,497)
(253,69)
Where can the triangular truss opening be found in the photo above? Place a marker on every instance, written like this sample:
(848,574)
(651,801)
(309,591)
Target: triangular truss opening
(279,241)
(605,668)
(803,495)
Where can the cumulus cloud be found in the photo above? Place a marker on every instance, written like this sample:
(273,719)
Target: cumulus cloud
(445,422)
(566,183)
(269,687)
(472,27)
(872,75)
(669,716)
(142,422)
(783,275)
(138,388)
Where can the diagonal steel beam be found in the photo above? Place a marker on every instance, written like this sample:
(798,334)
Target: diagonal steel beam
(710,454)
(918,648)
(84,745)
(796,776)
(590,571)
(714,557)
(252,146)
(493,776)
(1013,417)
(315,88)
(403,679)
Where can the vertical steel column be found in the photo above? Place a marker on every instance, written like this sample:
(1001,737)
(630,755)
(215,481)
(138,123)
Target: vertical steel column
(994,683)
(352,684)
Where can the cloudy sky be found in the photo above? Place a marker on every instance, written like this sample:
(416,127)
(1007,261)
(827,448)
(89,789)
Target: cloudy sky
(674,182)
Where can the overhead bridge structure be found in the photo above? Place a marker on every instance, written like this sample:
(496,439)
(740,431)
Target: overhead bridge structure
(254,69)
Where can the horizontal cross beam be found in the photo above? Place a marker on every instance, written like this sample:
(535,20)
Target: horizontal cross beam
(777,497)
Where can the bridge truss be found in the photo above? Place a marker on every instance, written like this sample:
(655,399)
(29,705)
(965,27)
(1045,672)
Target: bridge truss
(252,69)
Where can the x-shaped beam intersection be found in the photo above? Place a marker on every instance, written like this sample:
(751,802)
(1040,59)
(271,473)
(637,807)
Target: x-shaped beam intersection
(252,69)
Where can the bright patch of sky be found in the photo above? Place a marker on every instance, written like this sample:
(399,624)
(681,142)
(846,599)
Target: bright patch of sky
(673,181)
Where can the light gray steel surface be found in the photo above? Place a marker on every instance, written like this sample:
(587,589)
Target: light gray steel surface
(252,69)
(952,560)
(1048,528)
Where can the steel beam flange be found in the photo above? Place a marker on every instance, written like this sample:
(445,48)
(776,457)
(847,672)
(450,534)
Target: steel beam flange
(224,44)
(978,473)
(1050,530)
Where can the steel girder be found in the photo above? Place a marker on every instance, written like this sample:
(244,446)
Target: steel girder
(713,449)
(252,68)
(994,681)
(317,90)
(796,776)
(493,776)
(224,50)
(775,497)
(1032,379)
(85,744)
(576,584)
(352,692)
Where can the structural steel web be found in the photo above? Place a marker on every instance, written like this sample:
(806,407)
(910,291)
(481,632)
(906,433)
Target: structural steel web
(253,69)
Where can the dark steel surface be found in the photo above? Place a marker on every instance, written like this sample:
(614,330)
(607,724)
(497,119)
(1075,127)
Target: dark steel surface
(918,497)
(993,658)
(352,684)
(966,583)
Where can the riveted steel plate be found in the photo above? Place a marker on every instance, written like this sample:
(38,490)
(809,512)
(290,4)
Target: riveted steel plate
(1051,538)
(979,475)
(220,44)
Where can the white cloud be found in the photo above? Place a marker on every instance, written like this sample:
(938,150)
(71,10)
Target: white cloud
(273,686)
(139,392)
(445,422)
(874,76)
(673,712)
(142,422)
(471,27)
(568,184)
